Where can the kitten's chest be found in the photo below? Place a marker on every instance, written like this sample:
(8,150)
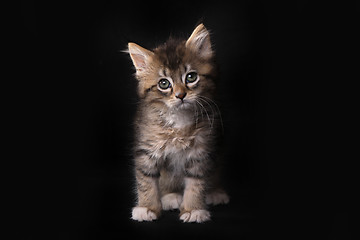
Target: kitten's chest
(182,120)
(173,140)
(179,132)
(180,143)
(177,135)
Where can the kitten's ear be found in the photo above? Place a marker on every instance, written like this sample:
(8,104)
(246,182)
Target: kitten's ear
(139,56)
(200,41)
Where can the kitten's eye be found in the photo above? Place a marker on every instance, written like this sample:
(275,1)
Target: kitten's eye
(191,77)
(164,83)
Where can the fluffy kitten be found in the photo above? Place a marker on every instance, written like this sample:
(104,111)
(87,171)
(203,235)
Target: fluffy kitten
(176,126)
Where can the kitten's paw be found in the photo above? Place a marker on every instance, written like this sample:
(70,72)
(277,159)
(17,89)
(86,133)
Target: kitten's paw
(198,216)
(171,201)
(143,214)
(217,197)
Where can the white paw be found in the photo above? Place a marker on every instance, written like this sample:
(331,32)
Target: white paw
(143,214)
(217,197)
(171,201)
(198,216)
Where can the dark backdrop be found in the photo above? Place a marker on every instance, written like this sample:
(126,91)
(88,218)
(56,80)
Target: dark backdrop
(75,99)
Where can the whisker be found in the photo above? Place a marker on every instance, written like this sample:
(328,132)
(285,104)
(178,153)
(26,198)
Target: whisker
(217,108)
(207,114)
(196,116)
(212,110)
(198,109)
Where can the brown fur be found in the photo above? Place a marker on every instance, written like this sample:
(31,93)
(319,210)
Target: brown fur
(175,139)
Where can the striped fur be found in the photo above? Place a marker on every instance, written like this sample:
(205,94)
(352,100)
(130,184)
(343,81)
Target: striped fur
(175,138)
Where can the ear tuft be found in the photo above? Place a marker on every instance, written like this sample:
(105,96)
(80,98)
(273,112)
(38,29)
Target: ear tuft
(199,41)
(139,56)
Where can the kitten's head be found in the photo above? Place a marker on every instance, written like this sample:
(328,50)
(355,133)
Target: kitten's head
(178,73)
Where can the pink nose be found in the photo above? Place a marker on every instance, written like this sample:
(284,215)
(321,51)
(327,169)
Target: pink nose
(180,95)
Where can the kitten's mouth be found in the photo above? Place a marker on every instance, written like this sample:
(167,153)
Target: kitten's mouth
(183,104)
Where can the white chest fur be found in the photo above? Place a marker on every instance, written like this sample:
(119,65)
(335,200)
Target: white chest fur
(180,119)
(181,139)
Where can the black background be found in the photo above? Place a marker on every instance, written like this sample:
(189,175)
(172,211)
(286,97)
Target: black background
(74,96)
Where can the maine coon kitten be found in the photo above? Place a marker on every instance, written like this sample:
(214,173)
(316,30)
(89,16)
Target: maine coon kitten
(176,131)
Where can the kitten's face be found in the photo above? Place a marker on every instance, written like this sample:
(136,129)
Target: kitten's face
(178,88)
(178,74)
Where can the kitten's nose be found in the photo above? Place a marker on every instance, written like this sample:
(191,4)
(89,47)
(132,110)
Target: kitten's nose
(180,95)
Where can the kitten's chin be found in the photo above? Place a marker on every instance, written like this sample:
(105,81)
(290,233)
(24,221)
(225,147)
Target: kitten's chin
(185,105)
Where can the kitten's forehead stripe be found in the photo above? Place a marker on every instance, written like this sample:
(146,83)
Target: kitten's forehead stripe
(185,68)
(171,53)
(163,72)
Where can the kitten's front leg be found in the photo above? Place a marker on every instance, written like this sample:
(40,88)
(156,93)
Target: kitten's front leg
(193,205)
(148,205)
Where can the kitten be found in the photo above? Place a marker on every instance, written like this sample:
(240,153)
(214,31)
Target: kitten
(176,126)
